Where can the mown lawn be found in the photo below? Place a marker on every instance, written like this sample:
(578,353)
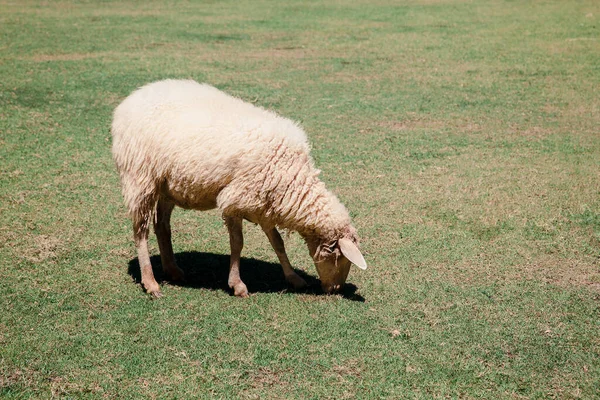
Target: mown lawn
(464,136)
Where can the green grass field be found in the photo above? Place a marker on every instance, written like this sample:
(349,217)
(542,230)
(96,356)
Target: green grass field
(463,136)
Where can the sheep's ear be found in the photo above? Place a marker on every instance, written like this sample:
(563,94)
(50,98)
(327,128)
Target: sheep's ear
(351,252)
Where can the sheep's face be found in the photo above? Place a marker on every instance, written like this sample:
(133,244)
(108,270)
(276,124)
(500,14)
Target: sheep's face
(333,273)
(332,260)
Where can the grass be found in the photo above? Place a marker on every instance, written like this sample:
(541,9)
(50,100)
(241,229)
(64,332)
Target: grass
(462,135)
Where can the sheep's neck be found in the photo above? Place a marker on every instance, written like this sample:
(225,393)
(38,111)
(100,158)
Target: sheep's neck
(308,207)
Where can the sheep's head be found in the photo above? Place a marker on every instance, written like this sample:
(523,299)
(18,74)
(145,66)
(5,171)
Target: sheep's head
(332,260)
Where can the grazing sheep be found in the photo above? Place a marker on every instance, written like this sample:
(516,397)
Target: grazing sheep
(181,143)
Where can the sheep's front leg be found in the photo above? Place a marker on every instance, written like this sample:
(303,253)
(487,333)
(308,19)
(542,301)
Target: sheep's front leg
(290,275)
(236,240)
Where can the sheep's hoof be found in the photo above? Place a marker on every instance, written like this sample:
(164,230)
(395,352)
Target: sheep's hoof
(175,274)
(153,289)
(156,293)
(296,281)
(240,290)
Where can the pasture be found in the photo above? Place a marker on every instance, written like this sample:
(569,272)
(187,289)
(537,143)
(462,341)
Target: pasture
(463,136)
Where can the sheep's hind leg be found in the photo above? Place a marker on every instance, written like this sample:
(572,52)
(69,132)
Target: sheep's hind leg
(290,275)
(236,239)
(162,228)
(140,234)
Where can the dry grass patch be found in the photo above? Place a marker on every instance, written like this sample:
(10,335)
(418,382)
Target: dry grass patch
(44,248)
(459,126)
(67,57)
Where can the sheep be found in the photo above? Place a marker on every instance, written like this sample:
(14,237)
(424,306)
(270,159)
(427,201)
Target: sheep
(182,143)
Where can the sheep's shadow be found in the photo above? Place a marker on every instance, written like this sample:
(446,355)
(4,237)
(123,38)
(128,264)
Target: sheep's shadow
(210,271)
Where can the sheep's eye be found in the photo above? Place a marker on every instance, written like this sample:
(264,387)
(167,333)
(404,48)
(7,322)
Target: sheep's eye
(330,247)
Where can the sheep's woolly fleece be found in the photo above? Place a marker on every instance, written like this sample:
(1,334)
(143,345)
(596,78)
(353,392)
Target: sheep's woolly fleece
(202,149)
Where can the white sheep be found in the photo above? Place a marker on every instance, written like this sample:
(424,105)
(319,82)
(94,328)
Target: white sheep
(178,142)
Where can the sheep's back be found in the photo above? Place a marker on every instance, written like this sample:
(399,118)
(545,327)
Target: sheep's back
(194,136)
